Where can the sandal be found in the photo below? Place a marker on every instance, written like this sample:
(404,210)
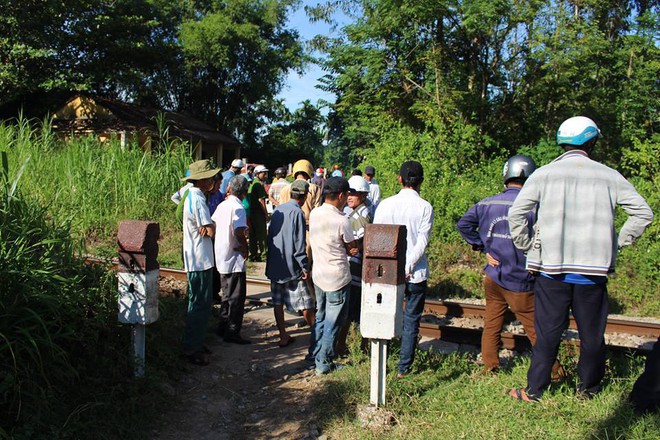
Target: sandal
(287,343)
(521,394)
(197,358)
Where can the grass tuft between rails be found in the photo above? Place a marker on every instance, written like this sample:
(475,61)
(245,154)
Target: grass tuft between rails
(446,397)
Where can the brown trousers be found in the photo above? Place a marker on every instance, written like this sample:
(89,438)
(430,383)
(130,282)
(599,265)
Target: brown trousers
(498,299)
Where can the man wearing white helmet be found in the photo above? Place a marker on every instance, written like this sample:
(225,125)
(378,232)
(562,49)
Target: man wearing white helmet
(235,168)
(359,214)
(572,251)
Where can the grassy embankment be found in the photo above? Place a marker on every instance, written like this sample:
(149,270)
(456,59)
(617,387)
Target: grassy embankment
(445,397)
(65,361)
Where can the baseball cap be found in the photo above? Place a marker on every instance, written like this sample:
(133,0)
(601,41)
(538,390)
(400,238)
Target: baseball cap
(299,187)
(335,185)
(369,170)
(260,169)
(237,163)
(319,171)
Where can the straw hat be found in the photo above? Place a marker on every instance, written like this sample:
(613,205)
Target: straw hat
(202,169)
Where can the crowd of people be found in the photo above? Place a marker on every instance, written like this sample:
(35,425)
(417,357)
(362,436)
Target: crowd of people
(549,241)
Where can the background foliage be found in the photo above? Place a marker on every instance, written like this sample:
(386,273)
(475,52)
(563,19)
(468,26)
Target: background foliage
(221,60)
(462,84)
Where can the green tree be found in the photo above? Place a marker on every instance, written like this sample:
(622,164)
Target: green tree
(236,54)
(117,48)
(292,136)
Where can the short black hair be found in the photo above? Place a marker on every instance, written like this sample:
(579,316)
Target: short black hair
(412,173)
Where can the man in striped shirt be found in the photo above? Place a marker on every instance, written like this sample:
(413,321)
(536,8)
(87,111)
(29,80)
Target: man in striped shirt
(572,251)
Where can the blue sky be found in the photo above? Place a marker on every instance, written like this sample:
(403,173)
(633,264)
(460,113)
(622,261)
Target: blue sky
(298,88)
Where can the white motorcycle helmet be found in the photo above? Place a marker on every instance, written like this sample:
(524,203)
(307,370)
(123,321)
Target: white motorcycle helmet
(577,131)
(358,184)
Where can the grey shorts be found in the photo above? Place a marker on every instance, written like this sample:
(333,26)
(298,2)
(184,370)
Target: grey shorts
(293,295)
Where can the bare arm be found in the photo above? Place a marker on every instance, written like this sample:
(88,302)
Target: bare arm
(242,239)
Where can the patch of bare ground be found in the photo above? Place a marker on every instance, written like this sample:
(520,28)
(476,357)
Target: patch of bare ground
(256,391)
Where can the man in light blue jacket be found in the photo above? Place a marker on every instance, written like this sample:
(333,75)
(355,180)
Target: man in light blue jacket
(573,249)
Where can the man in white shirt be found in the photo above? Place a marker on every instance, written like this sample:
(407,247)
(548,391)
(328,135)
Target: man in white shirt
(374,188)
(331,239)
(409,209)
(231,250)
(198,231)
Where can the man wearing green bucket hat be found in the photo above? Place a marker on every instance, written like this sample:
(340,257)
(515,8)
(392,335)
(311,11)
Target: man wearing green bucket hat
(198,231)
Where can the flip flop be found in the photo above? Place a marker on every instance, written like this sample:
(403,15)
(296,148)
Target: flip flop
(287,343)
(521,394)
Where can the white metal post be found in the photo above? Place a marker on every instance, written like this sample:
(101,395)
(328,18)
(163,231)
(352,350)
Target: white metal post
(138,334)
(378,371)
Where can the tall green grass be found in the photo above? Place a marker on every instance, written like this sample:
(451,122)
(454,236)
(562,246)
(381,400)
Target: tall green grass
(65,362)
(94,185)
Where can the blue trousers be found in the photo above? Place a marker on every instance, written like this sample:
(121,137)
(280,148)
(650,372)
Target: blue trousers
(332,309)
(552,301)
(412,314)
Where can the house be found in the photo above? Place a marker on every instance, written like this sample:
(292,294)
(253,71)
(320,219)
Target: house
(110,119)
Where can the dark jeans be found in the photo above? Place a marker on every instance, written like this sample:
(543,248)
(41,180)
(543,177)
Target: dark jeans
(234,290)
(553,300)
(412,314)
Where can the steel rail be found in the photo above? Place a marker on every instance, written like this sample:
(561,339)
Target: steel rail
(614,325)
(434,309)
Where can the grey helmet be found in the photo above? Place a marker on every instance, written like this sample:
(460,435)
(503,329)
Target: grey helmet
(518,167)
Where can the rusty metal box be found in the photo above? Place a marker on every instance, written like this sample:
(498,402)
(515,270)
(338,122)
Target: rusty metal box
(385,241)
(138,271)
(138,236)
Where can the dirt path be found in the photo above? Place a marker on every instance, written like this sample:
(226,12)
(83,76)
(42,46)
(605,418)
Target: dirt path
(257,391)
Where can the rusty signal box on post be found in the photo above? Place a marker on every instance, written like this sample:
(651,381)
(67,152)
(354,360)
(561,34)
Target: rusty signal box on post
(138,271)
(383,281)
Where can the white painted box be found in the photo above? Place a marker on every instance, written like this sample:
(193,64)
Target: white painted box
(138,297)
(381,316)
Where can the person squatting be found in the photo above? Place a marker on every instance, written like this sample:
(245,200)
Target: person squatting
(548,239)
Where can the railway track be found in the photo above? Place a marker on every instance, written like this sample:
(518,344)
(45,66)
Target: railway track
(436,321)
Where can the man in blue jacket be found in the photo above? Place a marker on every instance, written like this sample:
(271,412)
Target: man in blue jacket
(287,265)
(507,283)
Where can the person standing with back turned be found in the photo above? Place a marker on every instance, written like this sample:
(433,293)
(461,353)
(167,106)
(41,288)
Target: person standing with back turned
(507,283)
(231,251)
(409,209)
(573,249)
(331,237)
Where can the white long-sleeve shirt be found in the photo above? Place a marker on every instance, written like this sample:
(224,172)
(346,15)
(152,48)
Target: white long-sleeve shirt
(409,209)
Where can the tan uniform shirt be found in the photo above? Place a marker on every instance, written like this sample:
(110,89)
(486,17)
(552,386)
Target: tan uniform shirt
(313,199)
